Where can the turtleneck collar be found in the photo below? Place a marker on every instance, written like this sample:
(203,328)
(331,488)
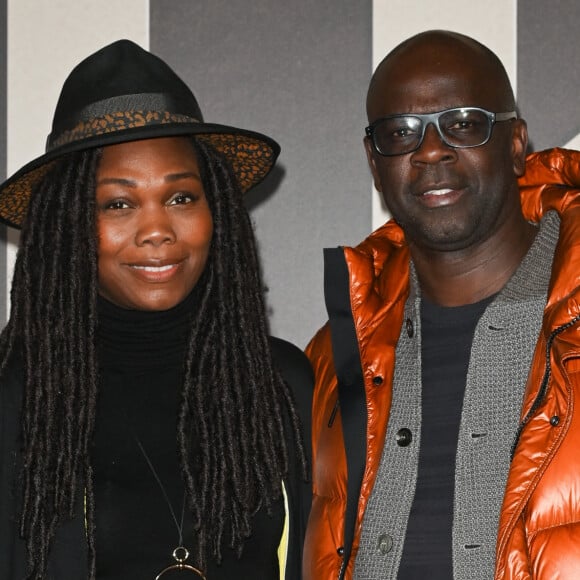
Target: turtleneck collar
(138,339)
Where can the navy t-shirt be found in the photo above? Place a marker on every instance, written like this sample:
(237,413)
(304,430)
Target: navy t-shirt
(446,338)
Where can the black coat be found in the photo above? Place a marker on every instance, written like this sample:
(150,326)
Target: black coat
(68,559)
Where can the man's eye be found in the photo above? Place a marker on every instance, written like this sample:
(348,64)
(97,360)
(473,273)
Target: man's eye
(402,133)
(462,125)
(465,125)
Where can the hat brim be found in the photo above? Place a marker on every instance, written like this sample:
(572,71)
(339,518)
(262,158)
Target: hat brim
(251,156)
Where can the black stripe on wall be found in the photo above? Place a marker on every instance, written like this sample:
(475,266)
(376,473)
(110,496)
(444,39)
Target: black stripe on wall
(548,72)
(299,72)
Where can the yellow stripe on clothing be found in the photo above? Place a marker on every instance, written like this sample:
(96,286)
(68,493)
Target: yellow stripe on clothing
(283,546)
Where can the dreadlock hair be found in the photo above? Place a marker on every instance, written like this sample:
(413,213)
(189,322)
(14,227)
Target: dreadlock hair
(234,401)
(52,331)
(237,430)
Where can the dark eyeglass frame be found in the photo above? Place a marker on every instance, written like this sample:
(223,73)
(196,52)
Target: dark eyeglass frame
(433,119)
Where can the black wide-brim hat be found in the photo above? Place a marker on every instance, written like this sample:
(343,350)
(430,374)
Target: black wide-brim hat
(124,93)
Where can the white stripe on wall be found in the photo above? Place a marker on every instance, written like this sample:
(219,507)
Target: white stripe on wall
(45,41)
(573,143)
(494,23)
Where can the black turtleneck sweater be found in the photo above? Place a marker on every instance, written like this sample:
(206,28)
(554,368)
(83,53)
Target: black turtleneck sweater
(141,355)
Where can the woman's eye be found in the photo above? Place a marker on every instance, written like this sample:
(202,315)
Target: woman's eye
(116,204)
(182,198)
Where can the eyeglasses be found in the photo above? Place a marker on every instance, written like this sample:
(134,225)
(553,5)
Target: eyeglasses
(460,128)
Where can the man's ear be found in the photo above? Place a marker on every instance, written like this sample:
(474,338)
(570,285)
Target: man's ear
(519,146)
(372,162)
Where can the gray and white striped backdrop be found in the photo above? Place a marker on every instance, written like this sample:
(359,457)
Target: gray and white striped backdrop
(297,70)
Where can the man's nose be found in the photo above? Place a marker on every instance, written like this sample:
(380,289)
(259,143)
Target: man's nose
(433,148)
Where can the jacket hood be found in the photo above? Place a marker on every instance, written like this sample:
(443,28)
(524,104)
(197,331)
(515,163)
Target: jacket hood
(552,183)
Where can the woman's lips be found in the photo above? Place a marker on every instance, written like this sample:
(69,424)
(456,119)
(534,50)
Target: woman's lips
(154,268)
(155,274)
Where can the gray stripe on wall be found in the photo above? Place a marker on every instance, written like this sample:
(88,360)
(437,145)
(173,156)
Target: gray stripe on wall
(297,71)
(548,75)
(3,134)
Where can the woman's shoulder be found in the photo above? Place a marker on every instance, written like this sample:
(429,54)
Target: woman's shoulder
(297,373)
(293,364)
(11,383)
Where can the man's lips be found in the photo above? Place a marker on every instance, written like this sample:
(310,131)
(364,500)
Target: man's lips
(442,191)
(440,196)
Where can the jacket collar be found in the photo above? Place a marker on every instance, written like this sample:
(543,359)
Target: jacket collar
(379,266)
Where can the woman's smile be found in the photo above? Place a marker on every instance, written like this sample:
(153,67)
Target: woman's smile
(154,223)
(156,274)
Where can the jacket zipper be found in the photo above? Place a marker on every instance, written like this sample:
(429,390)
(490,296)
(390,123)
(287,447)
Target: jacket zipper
(543,385)
(333,414)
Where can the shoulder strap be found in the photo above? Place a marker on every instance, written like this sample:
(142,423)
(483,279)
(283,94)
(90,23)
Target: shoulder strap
(351,390)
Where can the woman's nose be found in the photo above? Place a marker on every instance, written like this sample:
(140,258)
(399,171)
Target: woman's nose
(155,228)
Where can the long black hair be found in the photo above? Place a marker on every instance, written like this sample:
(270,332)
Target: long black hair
(236,422)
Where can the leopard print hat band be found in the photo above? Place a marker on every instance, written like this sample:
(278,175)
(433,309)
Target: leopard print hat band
(124,93)
(118,114)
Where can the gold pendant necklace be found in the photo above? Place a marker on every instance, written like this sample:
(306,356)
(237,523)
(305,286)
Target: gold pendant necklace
(181,553)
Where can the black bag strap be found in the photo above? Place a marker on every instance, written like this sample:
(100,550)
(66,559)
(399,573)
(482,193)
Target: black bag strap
(351,390)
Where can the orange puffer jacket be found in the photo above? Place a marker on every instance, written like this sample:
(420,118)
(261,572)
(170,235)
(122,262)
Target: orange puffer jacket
(539,530)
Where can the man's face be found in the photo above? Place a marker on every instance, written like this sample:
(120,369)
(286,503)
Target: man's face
(446,199)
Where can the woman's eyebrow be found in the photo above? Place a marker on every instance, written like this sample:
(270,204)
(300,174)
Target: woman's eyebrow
(183,175)
(131,183)
(117,181)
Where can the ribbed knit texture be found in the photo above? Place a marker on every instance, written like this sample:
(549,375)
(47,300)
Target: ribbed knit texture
(502,349)
(141,356)
(446,338)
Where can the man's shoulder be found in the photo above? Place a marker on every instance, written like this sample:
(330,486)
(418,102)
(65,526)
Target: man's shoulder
(384,240)
(320,346)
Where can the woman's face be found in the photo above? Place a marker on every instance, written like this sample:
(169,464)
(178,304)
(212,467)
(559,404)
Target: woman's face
(153,221)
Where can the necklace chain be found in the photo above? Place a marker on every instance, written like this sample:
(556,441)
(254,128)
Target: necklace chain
(180,553)
(179,526)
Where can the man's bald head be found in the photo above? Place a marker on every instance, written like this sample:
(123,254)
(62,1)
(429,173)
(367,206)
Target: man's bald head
(447,198)
(445,54)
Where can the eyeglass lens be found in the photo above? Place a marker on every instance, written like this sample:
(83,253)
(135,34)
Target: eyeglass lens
(457,127)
